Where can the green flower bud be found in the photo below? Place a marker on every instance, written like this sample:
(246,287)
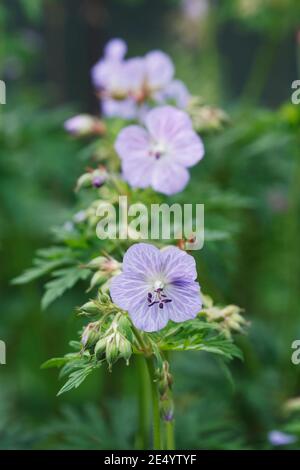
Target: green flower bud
(90,334)
(112,350)
(167,409)
(96,262)
(125,349)
(124,326)
(89,308)
(97,279)
(100,347)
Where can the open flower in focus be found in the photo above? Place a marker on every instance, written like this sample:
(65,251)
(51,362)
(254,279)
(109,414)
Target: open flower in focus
(157,286)
(159,154)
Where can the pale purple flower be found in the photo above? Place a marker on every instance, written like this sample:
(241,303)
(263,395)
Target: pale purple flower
(108,73)
(176,92)
(157,286)
(278,438)
(125,109)
(125,86)
(159,154)
(159,70)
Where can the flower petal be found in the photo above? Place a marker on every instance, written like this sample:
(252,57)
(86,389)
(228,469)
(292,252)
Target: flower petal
(186,148)
(125,109)
(175,92)
(138,172)
(147,318)
(159,69)
(132,143)
(142,259)
(186,300)
(177,264)
(165,122)
(125,290)
(168,177)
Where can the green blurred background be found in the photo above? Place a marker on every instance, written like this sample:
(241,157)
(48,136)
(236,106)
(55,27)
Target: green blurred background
(240,55)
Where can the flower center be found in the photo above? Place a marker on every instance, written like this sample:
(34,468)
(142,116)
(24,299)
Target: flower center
(157,150)
(157,296)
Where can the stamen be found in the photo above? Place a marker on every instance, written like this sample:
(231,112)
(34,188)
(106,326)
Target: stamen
(158,297)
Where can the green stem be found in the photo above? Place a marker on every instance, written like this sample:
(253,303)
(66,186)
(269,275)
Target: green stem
(170,435)
(144,399)
(157,442)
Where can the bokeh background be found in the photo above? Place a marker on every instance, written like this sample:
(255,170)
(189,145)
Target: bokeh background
(241,55)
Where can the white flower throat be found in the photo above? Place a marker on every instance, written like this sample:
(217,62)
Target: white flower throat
(158,150)
(157,296)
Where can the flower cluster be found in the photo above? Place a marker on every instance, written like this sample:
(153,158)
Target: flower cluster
(127,86)
(141,288)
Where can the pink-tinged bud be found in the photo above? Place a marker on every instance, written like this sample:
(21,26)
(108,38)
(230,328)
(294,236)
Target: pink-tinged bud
(83,125)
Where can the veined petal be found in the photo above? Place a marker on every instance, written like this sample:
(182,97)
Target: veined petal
(133,143)
(165,122)
(147,318)
(125,290)
(186,300)
(142,259)
(177,264)
(168,177)
(138,171)
(186,148)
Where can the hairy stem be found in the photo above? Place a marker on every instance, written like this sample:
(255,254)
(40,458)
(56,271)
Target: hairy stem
(144,400)
(157,443)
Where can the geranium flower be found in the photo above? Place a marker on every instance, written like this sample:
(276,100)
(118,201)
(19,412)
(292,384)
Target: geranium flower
(157,286)
(159,154)
(126,86)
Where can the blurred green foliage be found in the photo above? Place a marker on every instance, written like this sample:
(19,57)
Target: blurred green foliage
(251,173)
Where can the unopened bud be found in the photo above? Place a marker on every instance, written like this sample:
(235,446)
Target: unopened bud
(89,308)
(100,347)
(97,279)
(90,334)
(167,409)
(83,125)
(112,350)
(125,349)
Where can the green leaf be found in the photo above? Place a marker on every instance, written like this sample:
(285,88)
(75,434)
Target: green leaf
(64,279)
(41,268)
(76,378)
(55,362)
